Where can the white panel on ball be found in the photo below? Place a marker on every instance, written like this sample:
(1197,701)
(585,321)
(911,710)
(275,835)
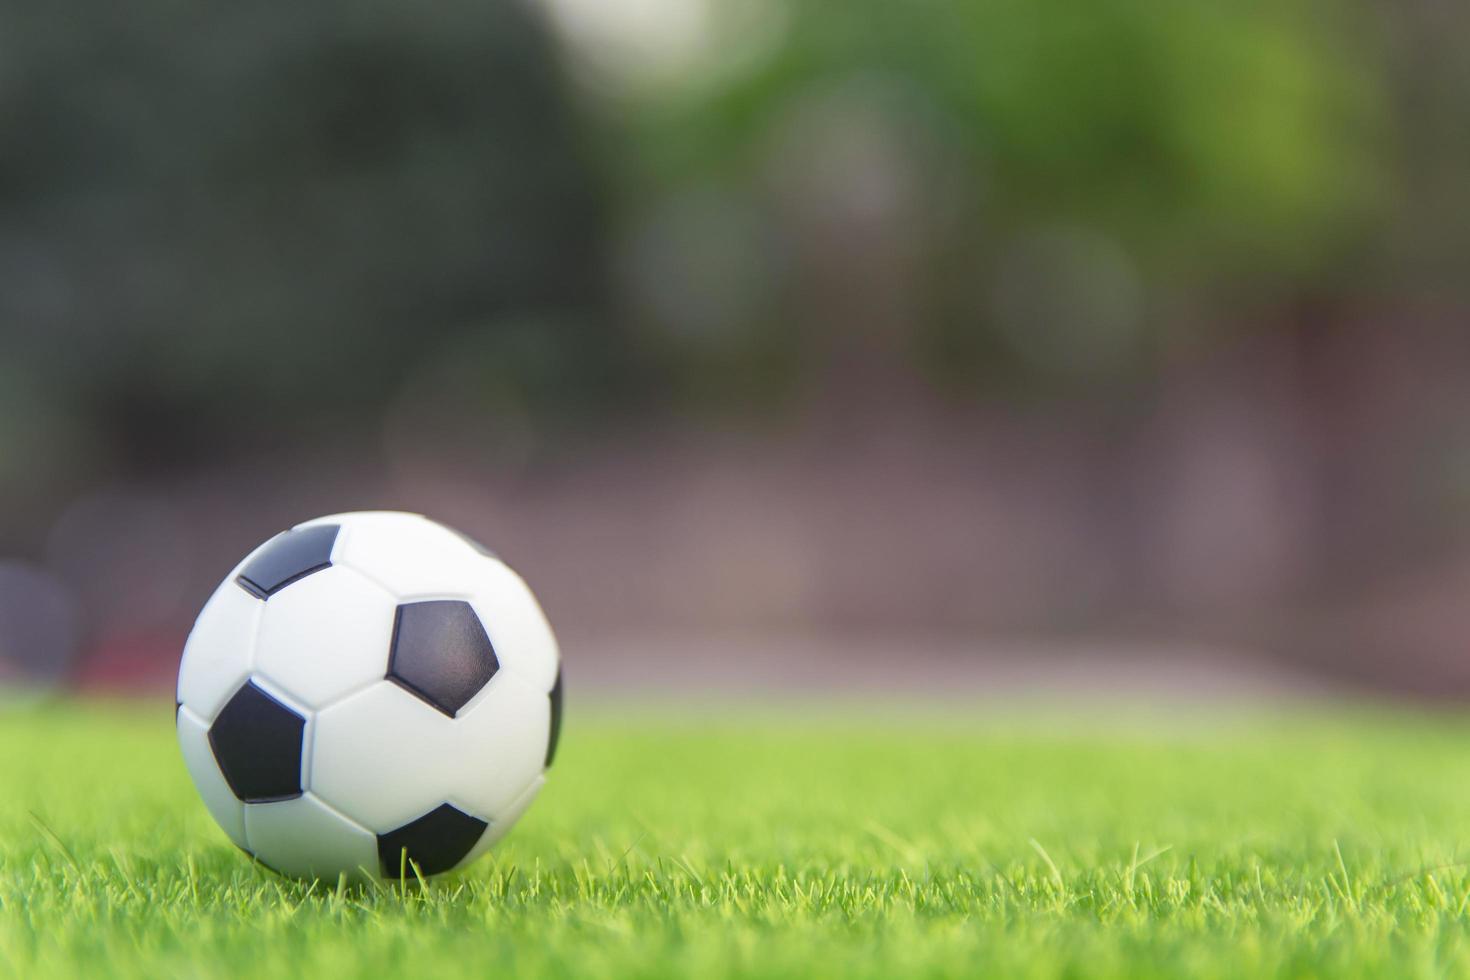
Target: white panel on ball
(383,757)
(505,731)
(219,652)
(410,555)
(325,636)
(307,839)
(219,800)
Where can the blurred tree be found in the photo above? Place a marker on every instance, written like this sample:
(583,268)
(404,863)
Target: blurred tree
(230,223)
(978,155)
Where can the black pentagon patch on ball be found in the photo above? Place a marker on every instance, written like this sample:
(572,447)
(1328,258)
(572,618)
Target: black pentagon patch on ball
(435,842)
(257,743)
(555,719)
(440,653)
(288,557)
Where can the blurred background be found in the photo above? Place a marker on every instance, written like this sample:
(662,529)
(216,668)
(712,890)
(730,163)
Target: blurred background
(978,346)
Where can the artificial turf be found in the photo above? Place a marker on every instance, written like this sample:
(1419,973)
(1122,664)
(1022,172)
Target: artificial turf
(856,841)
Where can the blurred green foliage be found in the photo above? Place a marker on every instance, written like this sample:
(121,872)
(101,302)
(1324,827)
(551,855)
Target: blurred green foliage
(1200,125)
(1214,147)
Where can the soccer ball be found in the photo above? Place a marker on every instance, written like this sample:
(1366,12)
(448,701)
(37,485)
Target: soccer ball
(371,695)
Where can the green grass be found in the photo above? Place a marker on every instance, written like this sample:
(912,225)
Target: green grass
(742,843)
